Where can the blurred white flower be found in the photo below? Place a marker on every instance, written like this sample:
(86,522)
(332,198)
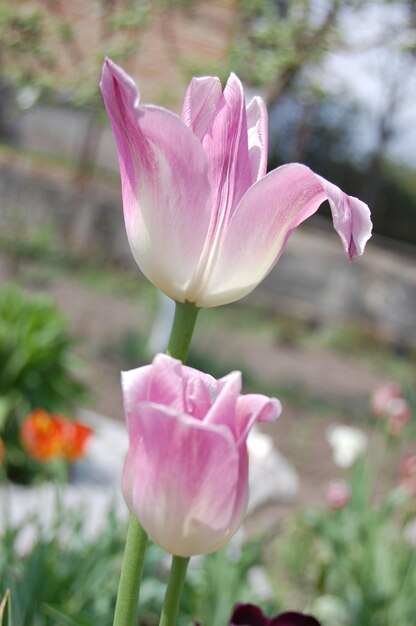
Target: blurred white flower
(259,583)
(272,478)
(347,444)
(331,610)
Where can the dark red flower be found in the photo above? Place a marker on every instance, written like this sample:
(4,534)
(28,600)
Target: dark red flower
(251,615)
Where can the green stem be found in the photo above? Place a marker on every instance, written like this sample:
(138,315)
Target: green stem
(182,330)
(174,591)
(136,542)
(131,574)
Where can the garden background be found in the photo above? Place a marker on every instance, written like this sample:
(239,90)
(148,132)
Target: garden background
(339,81)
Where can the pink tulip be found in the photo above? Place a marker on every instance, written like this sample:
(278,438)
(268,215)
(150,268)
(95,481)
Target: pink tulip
(383,396)
(204,221)
(337,494)
(186,470)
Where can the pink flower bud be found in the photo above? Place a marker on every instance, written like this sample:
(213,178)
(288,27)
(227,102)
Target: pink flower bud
(186,472)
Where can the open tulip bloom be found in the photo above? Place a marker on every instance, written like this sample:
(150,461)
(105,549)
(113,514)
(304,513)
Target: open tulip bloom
(204,221)
(186,470)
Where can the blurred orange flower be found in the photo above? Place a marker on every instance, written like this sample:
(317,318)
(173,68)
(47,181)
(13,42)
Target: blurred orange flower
(75,436)
(45,436)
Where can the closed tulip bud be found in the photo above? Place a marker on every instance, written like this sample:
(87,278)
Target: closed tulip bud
(186,472)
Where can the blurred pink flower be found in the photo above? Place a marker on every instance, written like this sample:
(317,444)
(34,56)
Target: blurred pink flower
(407,473)
(382,396)
(204,221)
(388,403)
(337,494)
(399,414)
(408,464)
(186,472)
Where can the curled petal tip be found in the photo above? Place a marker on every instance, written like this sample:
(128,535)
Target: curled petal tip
(276,408)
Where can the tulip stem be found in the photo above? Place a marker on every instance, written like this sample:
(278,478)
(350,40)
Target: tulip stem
(173,594)
(136,542)
(131,573)
(182,330)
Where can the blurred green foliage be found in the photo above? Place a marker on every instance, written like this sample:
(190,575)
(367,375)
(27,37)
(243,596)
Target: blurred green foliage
(37,369)
(69,579)
(354,564)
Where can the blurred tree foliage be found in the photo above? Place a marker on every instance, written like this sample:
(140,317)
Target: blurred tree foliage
(33,30)
(325,134)
(275,38)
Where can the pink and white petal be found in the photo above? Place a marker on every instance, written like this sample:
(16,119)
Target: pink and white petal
(351,218)
(223,411)
(164,177)
(262,223)
(166,385)
(199,392)
(257,121)
(200,103)
(135,385)
(159,383)
(226,146)
(252,408)
(181,480)
(242,491)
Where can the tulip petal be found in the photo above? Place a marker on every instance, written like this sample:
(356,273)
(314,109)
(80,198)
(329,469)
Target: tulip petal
(253,408)
(165,385)
(199,392)
(135,385)
(224,409)
(241,492)
(263,222)
(180,480)
(200,103)
(164,177)
(257,138)
(351,219)
(160,383)
(226,146)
